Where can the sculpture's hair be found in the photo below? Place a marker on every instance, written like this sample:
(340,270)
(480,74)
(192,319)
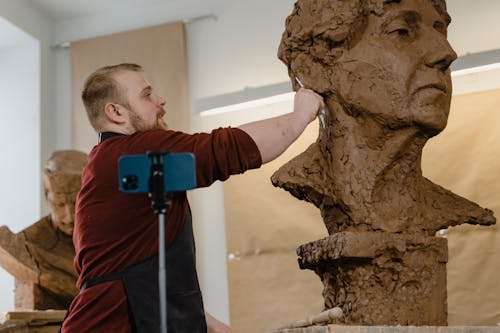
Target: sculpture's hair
(63,170)
(336,25)
(101,88)
(66,162)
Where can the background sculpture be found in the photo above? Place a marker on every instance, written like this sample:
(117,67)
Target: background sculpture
(40,257)
(383,68)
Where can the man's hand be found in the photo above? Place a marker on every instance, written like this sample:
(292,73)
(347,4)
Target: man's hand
(215,326)
(308,103)
(272,136)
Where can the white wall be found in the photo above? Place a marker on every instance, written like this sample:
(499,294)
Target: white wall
(474,25)
(32,22)
(26,118)
(238,50)
(19,143)
(20,134)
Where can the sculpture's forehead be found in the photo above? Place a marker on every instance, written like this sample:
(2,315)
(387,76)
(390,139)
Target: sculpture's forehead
(339,13)
(62,183)
(423,7)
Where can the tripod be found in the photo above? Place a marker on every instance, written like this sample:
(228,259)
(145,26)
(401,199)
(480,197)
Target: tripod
(158,173)
(160,205)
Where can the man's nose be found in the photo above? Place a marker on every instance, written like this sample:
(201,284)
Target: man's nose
(441,54)
(160,101)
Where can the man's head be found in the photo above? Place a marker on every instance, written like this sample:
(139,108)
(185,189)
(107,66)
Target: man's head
(62,181)
(388,59)
(118,98)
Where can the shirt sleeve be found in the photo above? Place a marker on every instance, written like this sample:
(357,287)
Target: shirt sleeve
(219,154)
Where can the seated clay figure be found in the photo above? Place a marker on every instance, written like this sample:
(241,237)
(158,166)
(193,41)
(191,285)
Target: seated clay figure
(40,257)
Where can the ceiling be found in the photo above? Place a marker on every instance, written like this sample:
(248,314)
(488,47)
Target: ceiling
(60,10)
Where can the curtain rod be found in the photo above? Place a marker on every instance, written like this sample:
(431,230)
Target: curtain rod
(189,20)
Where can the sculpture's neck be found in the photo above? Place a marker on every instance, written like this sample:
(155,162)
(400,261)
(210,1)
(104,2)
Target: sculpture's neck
(369,159)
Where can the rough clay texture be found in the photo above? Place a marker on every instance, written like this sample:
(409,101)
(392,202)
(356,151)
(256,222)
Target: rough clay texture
(383,69)
(385,329)
(41,260)
(32,321)
(382,278)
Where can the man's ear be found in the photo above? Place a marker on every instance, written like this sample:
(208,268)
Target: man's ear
(115,113)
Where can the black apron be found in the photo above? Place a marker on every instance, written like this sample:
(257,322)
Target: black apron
(185,313)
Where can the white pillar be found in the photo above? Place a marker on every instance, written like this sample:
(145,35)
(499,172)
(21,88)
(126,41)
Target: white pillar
(207,207)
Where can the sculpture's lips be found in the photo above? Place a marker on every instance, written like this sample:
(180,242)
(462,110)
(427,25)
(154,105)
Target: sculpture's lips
(438,86)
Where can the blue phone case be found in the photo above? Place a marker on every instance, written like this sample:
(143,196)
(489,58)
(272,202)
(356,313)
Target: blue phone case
(179,172)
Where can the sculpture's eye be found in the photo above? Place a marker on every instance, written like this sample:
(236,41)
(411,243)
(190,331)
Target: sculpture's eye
(402,32)
(403,28)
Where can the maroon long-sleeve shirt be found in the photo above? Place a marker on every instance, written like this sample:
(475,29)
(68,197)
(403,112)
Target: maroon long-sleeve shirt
(114,230)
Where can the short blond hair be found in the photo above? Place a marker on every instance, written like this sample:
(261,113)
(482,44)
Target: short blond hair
(101,88)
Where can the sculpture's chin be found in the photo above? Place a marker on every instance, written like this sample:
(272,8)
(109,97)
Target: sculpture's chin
(433,125)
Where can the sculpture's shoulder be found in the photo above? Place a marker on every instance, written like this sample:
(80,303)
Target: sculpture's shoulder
(15,257)
(5,235)
(49,246)
(305,176)
(42,233)
(453,209)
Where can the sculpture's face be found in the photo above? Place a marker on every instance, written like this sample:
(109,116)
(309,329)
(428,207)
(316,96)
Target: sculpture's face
(61,198)
(398,72)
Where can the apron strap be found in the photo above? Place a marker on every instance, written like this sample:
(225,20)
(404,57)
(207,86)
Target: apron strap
(101,279)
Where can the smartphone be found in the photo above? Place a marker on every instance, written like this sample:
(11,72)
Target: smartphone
(179,172)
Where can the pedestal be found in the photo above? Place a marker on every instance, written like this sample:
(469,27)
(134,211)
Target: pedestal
(48,321)
(393,329)
(380,278)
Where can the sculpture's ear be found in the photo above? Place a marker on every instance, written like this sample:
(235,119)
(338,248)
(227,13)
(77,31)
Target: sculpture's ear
(46,184)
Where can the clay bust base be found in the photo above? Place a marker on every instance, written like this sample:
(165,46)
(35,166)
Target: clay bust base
(381,278)
(387,329)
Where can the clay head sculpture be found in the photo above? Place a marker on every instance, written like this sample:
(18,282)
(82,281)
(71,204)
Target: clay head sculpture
(62,181)
(391,57)
(384,69)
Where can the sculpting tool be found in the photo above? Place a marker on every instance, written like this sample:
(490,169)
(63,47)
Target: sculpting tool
(321,113)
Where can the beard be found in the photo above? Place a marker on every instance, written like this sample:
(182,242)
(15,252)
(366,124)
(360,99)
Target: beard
(140,125)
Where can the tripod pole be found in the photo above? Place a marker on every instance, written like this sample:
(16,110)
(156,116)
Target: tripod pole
(162,273)
(160,206)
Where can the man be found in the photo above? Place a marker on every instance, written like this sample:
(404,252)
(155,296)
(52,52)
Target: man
(116,237)
(40,257)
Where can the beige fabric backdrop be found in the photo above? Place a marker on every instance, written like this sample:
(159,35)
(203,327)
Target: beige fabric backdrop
(265,225)
(161,50)
(465,158)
